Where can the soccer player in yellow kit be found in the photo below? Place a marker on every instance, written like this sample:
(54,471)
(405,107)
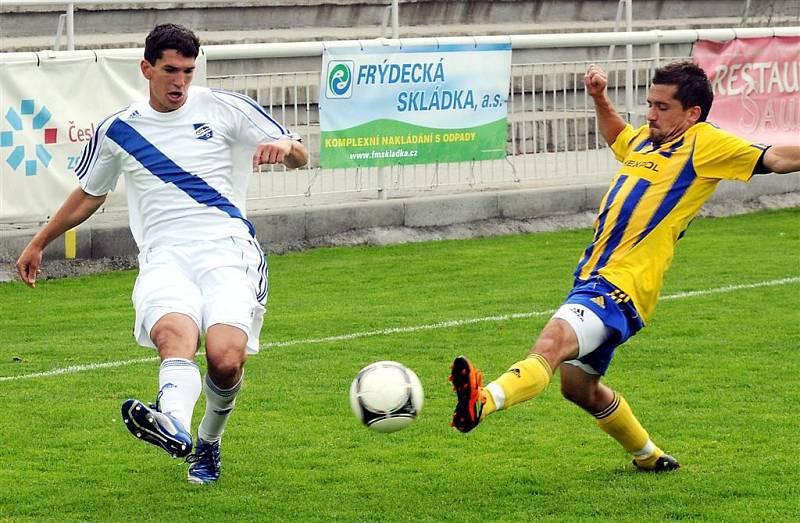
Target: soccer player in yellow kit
(670,167)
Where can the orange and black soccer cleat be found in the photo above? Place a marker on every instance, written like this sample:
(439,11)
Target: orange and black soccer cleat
(468,386)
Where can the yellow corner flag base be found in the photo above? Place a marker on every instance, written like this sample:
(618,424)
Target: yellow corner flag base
(70,244)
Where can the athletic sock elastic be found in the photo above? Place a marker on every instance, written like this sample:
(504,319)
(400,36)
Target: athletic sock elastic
(219,404)
(617,420)
(646,458)
(525,379)
(179,388)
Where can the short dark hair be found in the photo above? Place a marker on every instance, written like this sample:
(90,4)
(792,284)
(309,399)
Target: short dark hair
(693,85)
(170,36)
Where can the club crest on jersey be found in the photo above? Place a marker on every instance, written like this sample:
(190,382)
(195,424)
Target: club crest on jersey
(202,131)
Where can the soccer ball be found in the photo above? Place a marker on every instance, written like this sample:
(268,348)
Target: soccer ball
(386,396)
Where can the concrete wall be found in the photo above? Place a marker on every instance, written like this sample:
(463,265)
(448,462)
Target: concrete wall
(136,17)
(105,236)
(125,24)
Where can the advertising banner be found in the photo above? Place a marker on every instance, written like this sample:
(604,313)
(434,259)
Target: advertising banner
(413,105)
(756,84)
(50,104)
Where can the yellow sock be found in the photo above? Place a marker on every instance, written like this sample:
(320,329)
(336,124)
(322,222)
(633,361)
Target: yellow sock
(618,421)
(523,381)
(646,459)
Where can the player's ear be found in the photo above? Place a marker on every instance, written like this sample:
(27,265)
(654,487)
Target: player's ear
(694,114)
(147,69)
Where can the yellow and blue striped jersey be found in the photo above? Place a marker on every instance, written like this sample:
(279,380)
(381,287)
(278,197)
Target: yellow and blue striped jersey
(651,201)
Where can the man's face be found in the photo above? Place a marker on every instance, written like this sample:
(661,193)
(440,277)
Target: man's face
(169,80)
(666,117)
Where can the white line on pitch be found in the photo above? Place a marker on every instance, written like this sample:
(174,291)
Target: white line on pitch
(72,369)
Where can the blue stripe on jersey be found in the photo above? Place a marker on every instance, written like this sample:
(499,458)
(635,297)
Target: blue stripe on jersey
(169,172)
(88,152)
(254,105)
(673,196)
(672,148)
(628,206)
(601,222)
(644,144)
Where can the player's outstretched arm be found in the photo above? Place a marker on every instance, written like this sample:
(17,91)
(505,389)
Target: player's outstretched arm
(609,122)
(78,206)
(782,159)
(291,153)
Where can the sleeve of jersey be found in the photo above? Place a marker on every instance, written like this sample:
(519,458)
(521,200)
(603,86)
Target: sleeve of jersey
(254,124)
(721,155)
(623,145)
(99,168)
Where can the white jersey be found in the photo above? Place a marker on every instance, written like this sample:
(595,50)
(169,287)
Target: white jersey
(186,171)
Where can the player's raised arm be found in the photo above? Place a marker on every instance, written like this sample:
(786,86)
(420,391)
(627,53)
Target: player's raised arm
(291,153)
(782,158)
(78,206)
(609,121)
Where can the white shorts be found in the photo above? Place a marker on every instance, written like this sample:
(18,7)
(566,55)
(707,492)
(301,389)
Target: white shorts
(215,281)
(589,329)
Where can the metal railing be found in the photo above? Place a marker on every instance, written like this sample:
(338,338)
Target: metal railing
(552,133)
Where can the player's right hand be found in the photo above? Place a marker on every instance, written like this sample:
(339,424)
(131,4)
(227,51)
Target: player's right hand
(28,265)
(595,80)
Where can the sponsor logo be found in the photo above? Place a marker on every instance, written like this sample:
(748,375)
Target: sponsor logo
(515,371)
(27,124)
(202,131)
(134,115)
(600,301)
(649,165)
(340,79)
(578,312)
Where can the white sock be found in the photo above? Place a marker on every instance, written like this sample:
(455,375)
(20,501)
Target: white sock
(179,386)
(645,451)
(219,404)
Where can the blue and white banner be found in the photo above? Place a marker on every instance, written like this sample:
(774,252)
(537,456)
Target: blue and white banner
(49,105)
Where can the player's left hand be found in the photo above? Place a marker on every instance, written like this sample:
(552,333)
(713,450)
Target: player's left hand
(271,153)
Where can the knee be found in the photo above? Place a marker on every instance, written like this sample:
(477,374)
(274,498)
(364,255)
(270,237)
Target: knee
(174,340)
(555,344)
(225,366)
(547,346)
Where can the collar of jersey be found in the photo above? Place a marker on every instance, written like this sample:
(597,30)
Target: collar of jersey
(171,115)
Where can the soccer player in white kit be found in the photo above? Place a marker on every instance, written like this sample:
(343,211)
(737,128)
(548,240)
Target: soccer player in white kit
(185,153)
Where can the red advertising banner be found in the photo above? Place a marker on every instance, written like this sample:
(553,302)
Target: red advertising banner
(756,84)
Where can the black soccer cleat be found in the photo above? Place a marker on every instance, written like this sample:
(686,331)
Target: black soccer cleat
(664,463)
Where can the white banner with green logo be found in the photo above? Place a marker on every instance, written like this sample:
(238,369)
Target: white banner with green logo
(413,105)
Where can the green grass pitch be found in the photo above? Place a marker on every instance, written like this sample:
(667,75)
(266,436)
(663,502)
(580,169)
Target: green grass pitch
(714,378)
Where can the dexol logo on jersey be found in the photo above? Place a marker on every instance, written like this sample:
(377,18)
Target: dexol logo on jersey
(202,131)
(340,79)
(12,148)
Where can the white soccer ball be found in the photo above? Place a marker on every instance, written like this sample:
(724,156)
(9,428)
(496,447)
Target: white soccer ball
(386,396)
